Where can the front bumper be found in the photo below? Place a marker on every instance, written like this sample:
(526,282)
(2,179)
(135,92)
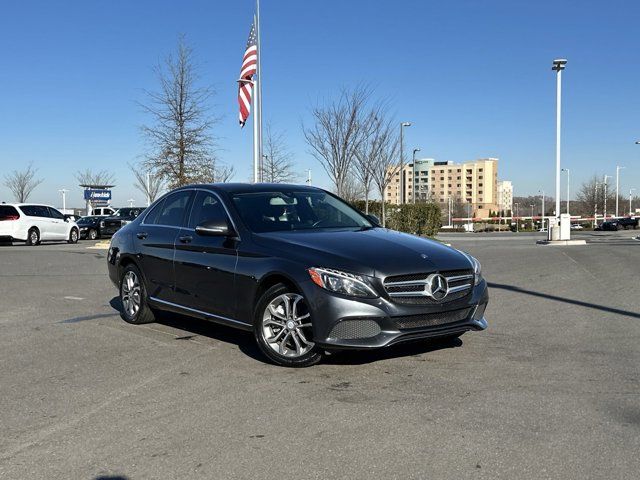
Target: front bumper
(342,322)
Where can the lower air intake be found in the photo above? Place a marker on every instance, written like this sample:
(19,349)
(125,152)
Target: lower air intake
(430,319)
(354,329)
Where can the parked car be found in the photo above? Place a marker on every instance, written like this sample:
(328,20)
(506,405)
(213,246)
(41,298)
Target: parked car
(90,227)
(123,216)
(576,226)
(102,211)
(628,222)
(610,225)
(33,223)
(297,266)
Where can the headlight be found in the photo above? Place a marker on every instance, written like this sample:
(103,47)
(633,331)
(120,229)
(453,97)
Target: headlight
(342,282)
(477,268)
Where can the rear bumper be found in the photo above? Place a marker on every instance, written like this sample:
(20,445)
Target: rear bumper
(344,323)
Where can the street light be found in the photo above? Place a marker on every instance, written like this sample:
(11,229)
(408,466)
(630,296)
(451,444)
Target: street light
(542,192)
(413,173)
(64,199)
(630,190)
(558,66)
(402,185)
(568,176)
(517,218)
(604,214)
(532,205)
(618,168)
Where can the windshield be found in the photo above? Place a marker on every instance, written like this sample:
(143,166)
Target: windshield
(86,220)
(310,210)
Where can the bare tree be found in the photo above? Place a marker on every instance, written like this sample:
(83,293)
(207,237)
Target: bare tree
(89,177)
(337,134)
(386,166)
(278,162)
(179,135)
(22,183)
(149,183)
(222,173)
(352,189)
(590,197)
(368,153)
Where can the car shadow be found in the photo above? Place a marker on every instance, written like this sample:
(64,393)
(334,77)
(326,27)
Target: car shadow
(246,343)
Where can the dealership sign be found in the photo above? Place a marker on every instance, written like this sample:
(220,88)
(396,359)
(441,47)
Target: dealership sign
(97,194)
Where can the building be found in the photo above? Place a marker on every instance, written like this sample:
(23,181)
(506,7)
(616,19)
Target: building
(505,196)
(416,179)
(474,183)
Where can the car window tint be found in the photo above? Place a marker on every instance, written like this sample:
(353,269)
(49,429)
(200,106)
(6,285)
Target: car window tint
(7,211)
(55,213)
(174,209)
(29,210)
(35,211)
(154,214)
(206,208)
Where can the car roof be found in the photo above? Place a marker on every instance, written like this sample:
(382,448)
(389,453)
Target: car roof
(29,204)
(254,187)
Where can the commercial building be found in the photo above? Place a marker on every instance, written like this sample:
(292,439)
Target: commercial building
(505,196)
(473,184)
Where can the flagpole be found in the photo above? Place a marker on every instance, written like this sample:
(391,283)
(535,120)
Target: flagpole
(261,157)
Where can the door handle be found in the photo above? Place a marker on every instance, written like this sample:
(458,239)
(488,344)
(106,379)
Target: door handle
(185,238)
(141,235)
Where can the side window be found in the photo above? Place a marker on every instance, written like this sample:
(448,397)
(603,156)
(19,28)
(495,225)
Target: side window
(154,214)
(41,211)
(174,209)
(29,210)
(206,207)
(55,213)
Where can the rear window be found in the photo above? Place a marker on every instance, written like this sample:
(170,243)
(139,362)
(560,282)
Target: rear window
(7,211)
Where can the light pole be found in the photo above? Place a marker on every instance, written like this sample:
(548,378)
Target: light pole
(604,213)
(618,168)
(595,205)
(402,185)
(131,200)
(468,216)
(568,180)
(413,174)
(542,225)
(558,66)
(630,191)
(309,177)
(64,200)
(450,202)
(532,205)
(517,218)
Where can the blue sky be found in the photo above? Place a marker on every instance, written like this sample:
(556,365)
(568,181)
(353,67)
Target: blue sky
(473,77)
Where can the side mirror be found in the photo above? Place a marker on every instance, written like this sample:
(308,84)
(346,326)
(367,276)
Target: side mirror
(373,219)
(214,228)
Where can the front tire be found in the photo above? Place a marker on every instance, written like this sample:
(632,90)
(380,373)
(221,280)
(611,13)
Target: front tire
(133,296)
(282,328)
(93,234)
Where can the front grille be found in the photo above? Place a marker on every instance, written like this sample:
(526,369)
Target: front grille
(424,320)
(113,223)
(410,289)
(356,328)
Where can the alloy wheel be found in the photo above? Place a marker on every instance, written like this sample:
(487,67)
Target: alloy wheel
(130,295)
(34,237)
(286,326)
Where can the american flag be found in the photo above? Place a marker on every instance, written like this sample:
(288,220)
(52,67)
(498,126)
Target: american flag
(247,71)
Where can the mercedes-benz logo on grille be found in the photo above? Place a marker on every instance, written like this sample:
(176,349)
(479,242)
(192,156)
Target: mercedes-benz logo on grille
(437,286)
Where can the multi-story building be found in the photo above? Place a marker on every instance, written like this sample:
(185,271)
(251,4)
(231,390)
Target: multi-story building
(474,183)
(416,181)
(505,196)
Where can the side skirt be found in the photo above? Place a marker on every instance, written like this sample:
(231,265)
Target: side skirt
(192,312)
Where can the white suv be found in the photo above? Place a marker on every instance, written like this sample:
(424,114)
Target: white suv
(33,223)
(102,212)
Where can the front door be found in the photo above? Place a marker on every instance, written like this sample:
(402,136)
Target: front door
(205,266)
(58,224)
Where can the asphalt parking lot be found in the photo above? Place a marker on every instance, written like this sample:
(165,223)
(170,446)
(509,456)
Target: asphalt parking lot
(550,390)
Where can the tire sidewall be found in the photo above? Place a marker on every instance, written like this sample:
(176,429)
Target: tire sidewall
(143,311)
(310,358)
(30,242)
(77,235)
(93,234)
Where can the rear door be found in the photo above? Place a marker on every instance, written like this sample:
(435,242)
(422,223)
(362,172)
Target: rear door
(9,221)
(205,266)
(155,237)
(38,216)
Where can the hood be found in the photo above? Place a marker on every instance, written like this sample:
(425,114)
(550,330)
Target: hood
(376,252)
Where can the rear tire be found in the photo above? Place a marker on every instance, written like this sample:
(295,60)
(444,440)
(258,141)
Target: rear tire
(73,236)
(33,237)
(135,309)
(282,328)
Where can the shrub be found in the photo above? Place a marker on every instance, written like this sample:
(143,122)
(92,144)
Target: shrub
(418,218)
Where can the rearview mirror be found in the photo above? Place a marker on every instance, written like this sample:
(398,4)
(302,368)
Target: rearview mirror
(214,228)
